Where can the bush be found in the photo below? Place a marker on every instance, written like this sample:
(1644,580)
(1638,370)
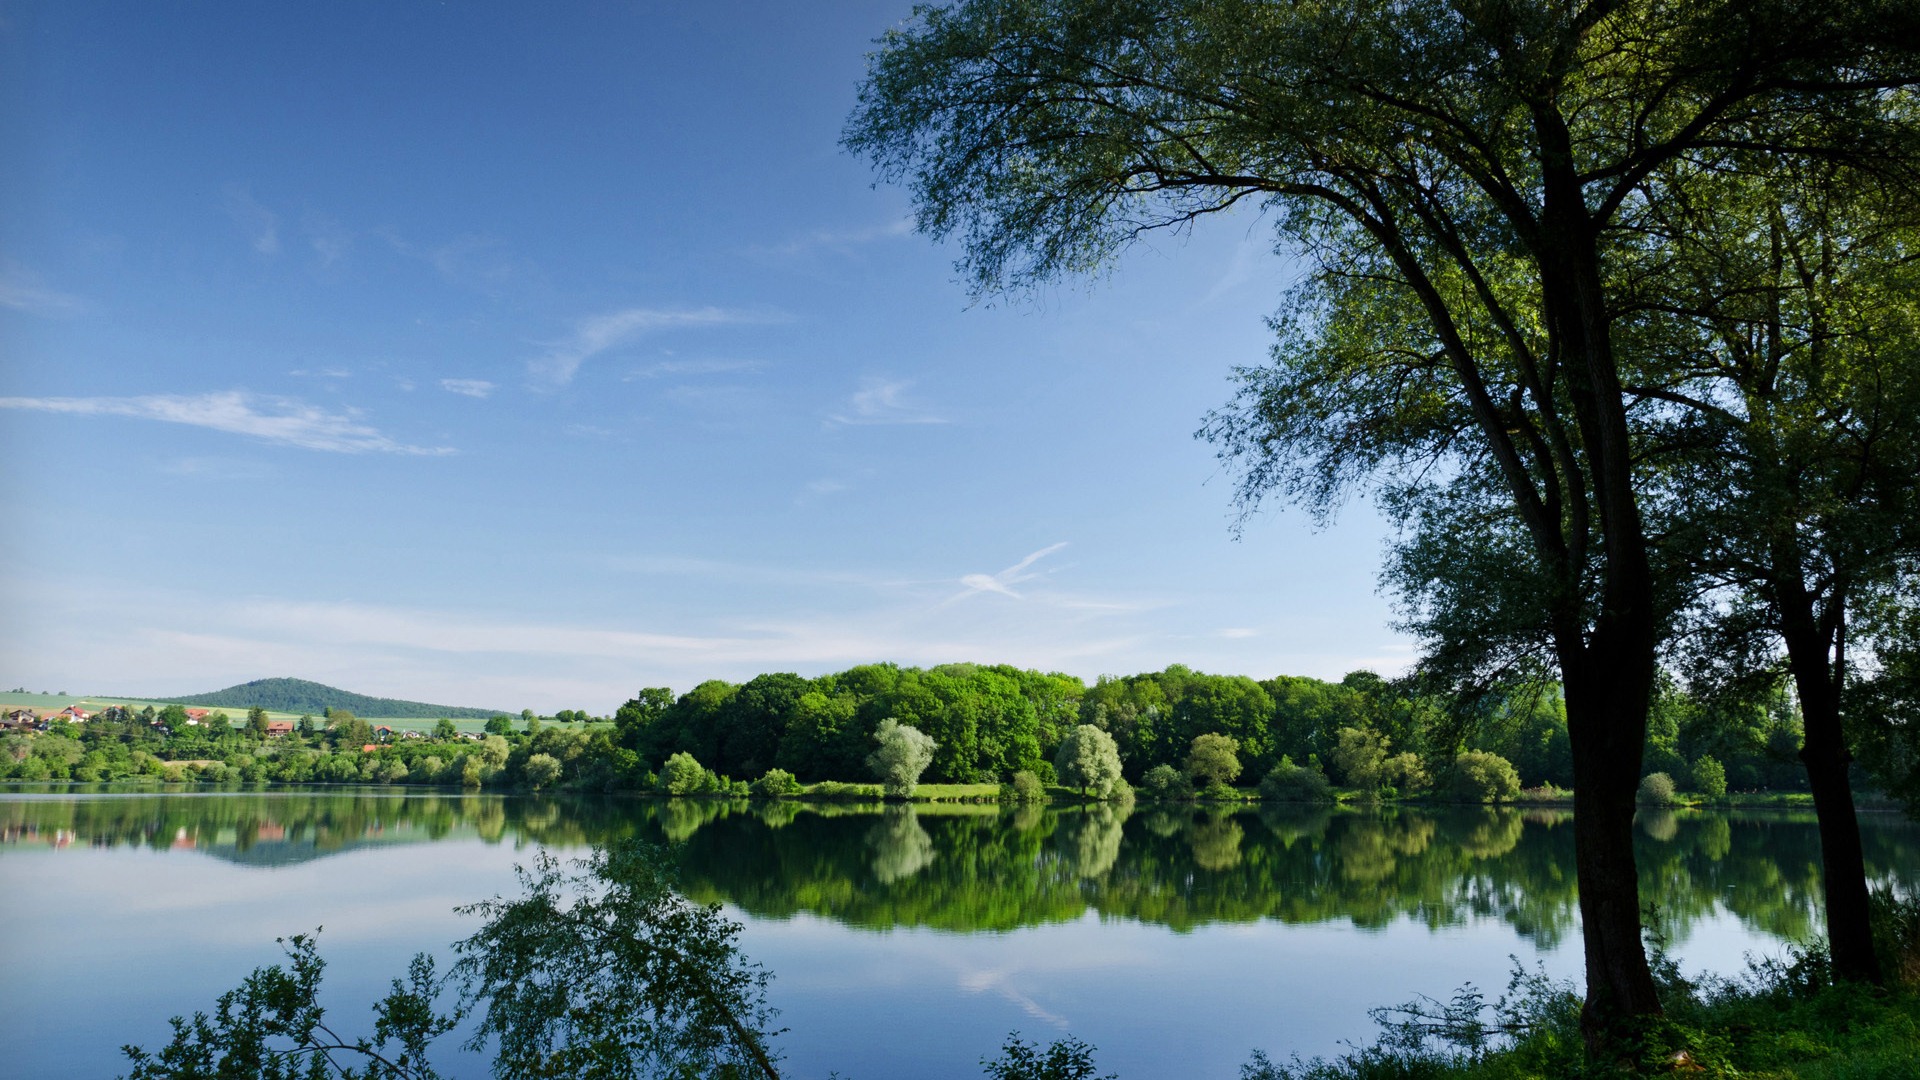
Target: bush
(1024,788)
(682,775)
(835,789)
(1296,783)
(1165,782)
(1068,1059)
(1657,790)
(1213,759)
(1482,776)
(774,784)
(541,770)
(1709,778)
(1409,773)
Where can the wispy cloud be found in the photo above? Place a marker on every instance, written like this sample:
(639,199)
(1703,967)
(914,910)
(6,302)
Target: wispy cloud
(597,333)
(216,468)
(279,420)
(473,388)
(683,368)
(1004,581)
(22,291)
(329,241)
(884,401)
(842,238)
(261,224)
(475,262)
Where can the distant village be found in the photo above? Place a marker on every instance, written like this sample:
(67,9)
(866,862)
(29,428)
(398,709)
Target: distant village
(23,719)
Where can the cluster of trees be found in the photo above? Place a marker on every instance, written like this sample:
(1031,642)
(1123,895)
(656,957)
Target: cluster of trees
(1168,733)
(1611,304)
(989,723)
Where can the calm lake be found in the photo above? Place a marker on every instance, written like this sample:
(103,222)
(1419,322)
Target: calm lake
(903,943)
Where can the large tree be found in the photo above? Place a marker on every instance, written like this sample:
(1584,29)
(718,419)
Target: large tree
(1794,338)
(1487,163)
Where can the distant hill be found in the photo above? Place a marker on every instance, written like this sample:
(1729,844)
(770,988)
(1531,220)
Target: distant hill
(301,696)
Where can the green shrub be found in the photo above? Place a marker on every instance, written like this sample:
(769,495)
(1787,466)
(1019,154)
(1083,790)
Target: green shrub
(1657,790)
(1213,759)
(1024,788)
(1482,776)
(541,771)
(683,775)
(1068,1059)
(1409,774)
(1709,778)
(773,785)
(1165,782)
(1296,783)
(837,790)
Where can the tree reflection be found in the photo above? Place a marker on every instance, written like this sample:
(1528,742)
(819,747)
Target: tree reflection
(966,867)
(901,848)
(1216,841)
(1088,838)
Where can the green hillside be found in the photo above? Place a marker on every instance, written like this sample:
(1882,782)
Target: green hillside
(302,696)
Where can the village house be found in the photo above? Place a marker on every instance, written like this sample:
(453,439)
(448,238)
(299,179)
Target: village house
(277,728)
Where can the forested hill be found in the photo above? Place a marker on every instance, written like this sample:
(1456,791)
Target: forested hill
(301,696)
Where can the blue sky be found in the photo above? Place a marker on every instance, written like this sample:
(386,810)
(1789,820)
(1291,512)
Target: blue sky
(525,355)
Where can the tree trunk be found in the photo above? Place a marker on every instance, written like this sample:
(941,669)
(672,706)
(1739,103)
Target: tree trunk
(1842,863)
(1606,721)
(1824,752)
(1607,667)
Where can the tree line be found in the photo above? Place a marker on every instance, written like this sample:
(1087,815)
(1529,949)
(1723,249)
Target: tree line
(987,724)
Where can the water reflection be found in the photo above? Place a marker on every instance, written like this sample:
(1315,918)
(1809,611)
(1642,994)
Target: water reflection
(972,867)
(901,848)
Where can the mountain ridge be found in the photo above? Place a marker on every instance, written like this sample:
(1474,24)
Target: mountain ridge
(290,695)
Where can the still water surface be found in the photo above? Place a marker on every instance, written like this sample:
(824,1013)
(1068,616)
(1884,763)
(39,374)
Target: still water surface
(903,943)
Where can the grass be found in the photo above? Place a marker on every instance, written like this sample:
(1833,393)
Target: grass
(1783,1020)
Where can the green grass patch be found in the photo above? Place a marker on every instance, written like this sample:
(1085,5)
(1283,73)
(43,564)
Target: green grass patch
(956,793)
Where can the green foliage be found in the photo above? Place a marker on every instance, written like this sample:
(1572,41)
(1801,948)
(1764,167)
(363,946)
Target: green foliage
(272,1027)
(1212,759)
(839,791)
(1709,778)
(903,753)
(1479,776)
(1409,773)
(1288,782)
(774,784)
(1065,1059)
(499,725)
(1024,788)
(608,973)
(541,771)
(1166,783)
(1361,756)
(683,775)
(1088,759)
(1656,789)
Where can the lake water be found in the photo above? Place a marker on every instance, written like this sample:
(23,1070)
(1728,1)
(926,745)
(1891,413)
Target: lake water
(903,943)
